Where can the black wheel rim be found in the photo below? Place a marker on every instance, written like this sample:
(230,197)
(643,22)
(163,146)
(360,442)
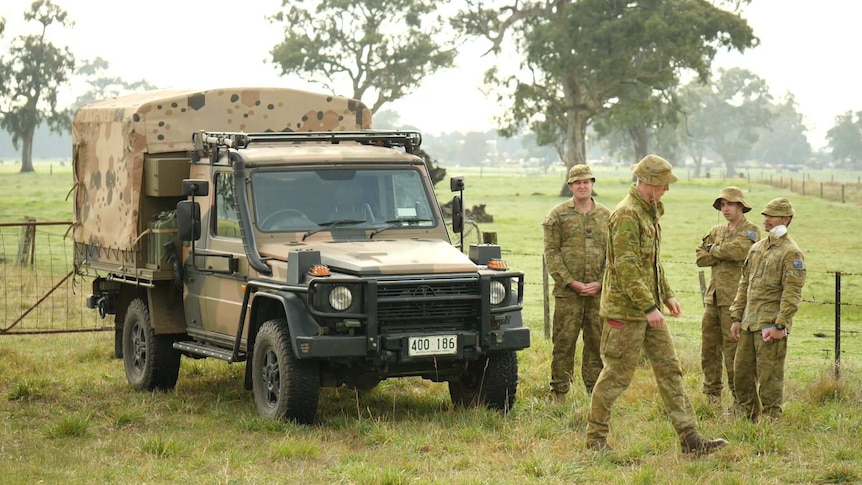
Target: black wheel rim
(270,378)
(139,348)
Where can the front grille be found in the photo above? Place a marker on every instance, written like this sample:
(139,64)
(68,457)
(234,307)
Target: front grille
(428,304)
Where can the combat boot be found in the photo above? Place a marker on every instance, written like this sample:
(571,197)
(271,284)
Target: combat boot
(695,443)
(600,446)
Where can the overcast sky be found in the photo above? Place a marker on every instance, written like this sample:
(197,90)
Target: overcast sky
(216,43)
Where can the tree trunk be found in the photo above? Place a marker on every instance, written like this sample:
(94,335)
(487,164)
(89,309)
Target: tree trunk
(576,143)
(640,141)
(27,150)
(731,168)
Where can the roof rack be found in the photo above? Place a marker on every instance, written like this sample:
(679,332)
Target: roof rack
(409,140)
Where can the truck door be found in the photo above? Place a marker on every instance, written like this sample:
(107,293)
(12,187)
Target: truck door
(223,261)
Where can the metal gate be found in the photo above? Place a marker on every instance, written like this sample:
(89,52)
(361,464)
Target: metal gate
(39,292)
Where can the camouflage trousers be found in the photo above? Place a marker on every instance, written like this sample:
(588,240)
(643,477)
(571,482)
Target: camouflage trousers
(574,315)
(620,349)
(759,376)
(716,346)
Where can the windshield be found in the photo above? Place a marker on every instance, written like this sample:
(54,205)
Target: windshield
(340,199)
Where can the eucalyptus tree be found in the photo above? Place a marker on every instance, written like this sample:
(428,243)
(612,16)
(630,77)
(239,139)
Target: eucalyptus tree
(844,139)
(581,56)
(726,116)
(784,142)
(34,71)
(385,48)
(101,84)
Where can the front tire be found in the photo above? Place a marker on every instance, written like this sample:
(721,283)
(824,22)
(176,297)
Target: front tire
(284,387)
(491,380)
(150,360)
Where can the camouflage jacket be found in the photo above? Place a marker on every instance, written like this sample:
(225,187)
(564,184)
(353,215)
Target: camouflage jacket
(575,244)
(724,250)
(770,288)
(634,282)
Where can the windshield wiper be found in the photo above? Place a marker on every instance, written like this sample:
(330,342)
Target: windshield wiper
(331,225)
(398,223)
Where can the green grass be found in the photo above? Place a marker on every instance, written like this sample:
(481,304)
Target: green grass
(69,416)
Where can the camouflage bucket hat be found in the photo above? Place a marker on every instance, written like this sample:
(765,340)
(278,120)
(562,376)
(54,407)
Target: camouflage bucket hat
(731,194)
(654,170)
(779,207)
(580,172)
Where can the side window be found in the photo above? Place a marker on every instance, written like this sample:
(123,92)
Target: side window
(410,197)
(227,220)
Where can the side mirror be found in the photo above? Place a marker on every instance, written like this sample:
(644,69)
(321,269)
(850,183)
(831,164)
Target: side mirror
(188,220)
(196,188)
(457,215)
(456,184)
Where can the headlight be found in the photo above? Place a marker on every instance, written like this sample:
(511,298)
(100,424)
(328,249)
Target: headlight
(498,292)
(340,298)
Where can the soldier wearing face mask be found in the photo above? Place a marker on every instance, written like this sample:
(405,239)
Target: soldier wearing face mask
(769,293)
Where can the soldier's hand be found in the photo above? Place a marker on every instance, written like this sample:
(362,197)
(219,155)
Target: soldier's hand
(655,319)
(577,287)
(735,328)
(591,289)
(673,307)
(776,334)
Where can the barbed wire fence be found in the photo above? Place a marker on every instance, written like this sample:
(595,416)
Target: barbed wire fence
(835,295)
(40,293)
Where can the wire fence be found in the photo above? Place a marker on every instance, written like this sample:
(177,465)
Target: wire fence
(831,190)
(40,293)
(829,318)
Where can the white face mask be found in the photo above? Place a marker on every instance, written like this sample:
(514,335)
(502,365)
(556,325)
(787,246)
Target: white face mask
(778,231)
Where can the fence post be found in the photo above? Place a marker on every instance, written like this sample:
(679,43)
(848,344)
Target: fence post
(821,190)
(837,325)
(803,186)
(842,193)
(27,243)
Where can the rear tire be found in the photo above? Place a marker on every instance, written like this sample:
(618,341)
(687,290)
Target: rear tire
(491,380)
(150,360)
(284,387)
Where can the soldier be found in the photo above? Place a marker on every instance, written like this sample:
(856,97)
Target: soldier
(768,296)
(635,290)
(723,249)
(575,235)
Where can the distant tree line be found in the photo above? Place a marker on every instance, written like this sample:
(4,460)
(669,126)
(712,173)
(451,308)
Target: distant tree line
(593,76)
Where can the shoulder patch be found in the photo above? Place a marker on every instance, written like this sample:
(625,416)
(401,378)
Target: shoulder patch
(751,235)
(798,265)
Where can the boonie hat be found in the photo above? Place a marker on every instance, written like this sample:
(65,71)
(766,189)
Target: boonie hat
(731,194)
(779,207)
(580,172)
(654,170)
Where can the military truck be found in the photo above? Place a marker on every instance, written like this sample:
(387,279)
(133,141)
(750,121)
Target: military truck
(275,227)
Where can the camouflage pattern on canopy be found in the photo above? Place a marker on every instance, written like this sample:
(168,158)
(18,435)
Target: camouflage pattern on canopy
(108,186)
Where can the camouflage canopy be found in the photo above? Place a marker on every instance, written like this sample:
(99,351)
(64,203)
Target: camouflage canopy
(111,139)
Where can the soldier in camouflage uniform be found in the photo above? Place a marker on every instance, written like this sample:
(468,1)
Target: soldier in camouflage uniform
(575,235)
(768,296)
(635,290)
(723,249)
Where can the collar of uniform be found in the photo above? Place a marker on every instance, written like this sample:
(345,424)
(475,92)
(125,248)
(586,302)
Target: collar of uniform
(656,210)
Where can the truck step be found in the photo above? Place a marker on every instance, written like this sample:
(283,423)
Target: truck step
(208,351)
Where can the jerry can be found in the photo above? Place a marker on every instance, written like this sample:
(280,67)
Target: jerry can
(163,229)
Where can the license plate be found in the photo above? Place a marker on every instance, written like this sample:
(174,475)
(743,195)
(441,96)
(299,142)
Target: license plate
(432,345)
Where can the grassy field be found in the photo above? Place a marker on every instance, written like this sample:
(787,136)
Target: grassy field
(69,416)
